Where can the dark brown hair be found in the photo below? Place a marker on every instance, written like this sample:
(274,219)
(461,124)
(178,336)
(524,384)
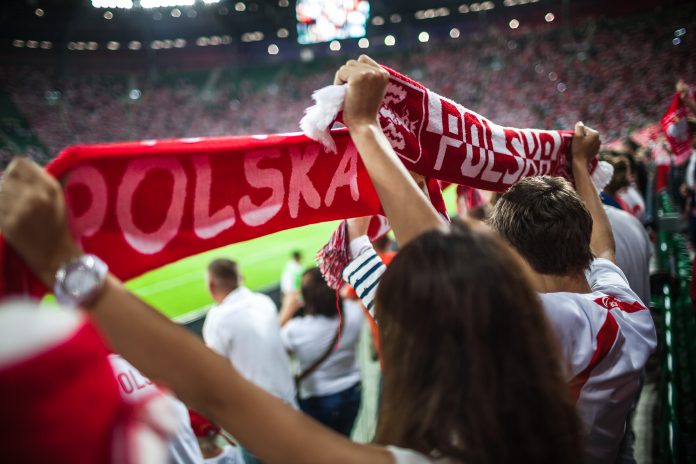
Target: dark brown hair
(548,224)
(471,369)
(318,297)
(225,272)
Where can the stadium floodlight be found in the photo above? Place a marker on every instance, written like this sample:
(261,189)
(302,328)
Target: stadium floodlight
(39,12)
(46,45)
(423,37)
(126,4)
(18,43)
(377,21)
(134,45)
(463,9)
(283,33)
(389,41)
(273,49)
(335,45)
(165,3)
(363,43)
(113,45)
(549,17)
(514,24)
(395,18)
(454,33)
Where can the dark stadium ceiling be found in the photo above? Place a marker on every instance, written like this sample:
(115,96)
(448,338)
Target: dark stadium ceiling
(52,22)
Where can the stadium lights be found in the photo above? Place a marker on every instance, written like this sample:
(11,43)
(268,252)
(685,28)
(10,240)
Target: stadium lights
(514,24)
(135,94)
(273,49)
(363,43)
(39,12)
(454,33)
(134,45)
(175,13)
(32,44)
(283,33)
(549,17)
(283,3)
(377,21)
(518,2)
(255,36)
(239,6)
(127,4)
(165,3)
(113,45)
(335,45)
(395,18)
(46,45)
(431,13)
(389,41)
(463,9)
(423,37)
(108,15)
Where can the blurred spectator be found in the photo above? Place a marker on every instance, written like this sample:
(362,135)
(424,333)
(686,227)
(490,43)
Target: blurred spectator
(325,346)
(243,327)
(292,272)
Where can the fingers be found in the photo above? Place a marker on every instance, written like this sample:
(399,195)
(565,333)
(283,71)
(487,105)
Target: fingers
(579,129)
(362,65)
(367,60)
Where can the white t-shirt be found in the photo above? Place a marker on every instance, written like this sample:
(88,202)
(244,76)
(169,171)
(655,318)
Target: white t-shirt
(244,328)
(229,455)
(309,337)
(135,387)
(606,337)
(633,250)
(634,200)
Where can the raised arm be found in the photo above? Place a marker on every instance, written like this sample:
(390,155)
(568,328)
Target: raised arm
(585,147)
(408,209)
(32,219)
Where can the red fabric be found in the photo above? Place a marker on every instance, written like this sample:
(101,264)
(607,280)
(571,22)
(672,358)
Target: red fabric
(201,426)
(605,340)
(141,205)
(676,130)
(62,405)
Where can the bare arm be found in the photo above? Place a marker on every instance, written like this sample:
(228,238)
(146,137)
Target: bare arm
(291,303)
(408,209)
(32,218)
(585,147)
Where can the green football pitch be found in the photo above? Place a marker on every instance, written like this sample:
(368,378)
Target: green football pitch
(179,290)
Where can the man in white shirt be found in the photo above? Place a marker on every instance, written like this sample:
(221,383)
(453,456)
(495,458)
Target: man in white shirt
(290,278)
(243,327)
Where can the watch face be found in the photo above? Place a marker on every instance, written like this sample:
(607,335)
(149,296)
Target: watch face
(80,281)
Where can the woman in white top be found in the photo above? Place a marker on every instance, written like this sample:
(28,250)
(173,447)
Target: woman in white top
(330,388)
(471,370)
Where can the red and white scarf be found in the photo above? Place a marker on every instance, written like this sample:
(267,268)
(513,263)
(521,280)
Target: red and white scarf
(676,129)
(141,205)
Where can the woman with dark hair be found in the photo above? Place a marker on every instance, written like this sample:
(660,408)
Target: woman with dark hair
(471,372)
(325,346)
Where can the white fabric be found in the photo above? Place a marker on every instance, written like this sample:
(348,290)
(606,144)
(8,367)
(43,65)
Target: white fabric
(230,455)
(309,337)
(633,250)
(289,277)
(406,456)
(319,117)
(634,200)
(690,168)
(244,328)
(135,387)
(606,397)
(27,331)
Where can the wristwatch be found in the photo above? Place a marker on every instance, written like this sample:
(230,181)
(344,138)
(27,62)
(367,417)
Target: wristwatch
(79,281)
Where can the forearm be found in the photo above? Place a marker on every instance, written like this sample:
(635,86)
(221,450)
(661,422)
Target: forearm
(406,206)
(287,309)
(208,383)
(602,242)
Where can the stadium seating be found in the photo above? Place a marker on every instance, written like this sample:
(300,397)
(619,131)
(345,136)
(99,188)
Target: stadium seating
(520,78)
(677,432)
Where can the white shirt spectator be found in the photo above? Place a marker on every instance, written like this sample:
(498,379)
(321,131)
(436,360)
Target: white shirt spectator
(606,337)
(134,387)
(634,200)
(244,328)
(309,337)
(633,250)
(289,280)
(230,455)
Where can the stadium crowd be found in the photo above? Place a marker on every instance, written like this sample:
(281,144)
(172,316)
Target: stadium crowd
(519,78)
(520,332)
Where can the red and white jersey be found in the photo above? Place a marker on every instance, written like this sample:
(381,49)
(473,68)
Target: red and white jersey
(606,337)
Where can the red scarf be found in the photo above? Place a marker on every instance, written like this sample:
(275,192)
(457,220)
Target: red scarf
(676,129)
(141,205)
